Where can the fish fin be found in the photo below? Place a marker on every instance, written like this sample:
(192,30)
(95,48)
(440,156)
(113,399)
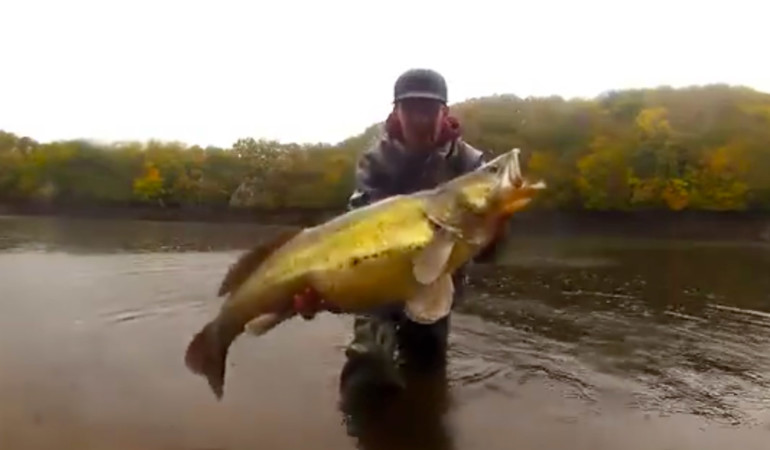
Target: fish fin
(429,263)
(249,261)
(206,355)
(432,302)
(266,322)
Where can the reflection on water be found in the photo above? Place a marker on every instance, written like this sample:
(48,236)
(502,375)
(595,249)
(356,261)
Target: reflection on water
(83,236)
(566,343)
(683,328)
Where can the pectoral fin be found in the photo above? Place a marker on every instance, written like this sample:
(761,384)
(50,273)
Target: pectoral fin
(432,302)
(430,263)
(266,322)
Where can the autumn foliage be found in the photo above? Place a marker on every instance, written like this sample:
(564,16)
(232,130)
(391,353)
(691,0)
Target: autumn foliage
(698,148)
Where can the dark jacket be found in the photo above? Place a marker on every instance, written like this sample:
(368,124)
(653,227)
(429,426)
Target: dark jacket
(387,168)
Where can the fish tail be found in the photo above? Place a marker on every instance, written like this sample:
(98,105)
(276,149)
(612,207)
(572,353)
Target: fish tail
(207,353)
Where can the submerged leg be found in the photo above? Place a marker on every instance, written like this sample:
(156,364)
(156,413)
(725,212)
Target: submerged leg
(374,346)
(424,346)
(370,371)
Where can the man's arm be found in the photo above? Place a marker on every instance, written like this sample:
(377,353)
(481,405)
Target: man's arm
(371,181)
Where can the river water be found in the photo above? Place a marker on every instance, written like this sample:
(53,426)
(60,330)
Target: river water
(564,343)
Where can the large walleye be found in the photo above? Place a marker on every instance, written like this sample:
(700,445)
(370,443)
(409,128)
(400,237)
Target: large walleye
(402,249)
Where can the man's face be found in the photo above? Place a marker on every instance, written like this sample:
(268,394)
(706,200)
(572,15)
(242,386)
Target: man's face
(420,120)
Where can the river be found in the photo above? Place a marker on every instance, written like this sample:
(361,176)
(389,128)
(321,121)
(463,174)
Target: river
(575,342)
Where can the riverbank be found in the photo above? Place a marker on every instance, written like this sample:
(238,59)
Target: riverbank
(753,226)
(697,225)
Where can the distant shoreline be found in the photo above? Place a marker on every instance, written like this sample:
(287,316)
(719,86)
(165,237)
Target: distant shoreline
(172,213)
(744,226)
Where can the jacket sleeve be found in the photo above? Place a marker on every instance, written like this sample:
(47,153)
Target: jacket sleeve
(371,183)
(470,158)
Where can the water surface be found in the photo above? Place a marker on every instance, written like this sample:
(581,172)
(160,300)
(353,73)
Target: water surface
(574,343)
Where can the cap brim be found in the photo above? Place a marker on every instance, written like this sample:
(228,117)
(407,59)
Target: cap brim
(419,94)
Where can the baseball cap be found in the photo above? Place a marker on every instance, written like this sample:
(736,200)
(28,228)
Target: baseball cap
(420,83)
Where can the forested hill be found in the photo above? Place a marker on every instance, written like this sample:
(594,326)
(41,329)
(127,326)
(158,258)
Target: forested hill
(701,148)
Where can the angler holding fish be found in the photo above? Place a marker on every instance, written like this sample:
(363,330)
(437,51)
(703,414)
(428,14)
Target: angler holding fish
(425,205)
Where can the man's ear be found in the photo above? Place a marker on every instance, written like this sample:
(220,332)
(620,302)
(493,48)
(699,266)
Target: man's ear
(397,111)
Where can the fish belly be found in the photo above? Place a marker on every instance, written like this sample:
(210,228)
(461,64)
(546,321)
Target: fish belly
(368,282)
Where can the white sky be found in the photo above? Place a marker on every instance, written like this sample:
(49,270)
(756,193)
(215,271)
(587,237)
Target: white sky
(210,72)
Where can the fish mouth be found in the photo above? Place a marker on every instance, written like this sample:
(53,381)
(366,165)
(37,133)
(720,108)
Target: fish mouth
(516,190)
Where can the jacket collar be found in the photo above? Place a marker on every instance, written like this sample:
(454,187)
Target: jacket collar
(450,132)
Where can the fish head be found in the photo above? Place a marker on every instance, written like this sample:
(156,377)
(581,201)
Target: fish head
(497,188)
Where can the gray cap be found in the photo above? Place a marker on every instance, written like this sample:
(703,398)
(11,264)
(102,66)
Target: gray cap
(420,83)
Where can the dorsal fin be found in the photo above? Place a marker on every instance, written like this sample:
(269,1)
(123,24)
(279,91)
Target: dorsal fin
(249,261)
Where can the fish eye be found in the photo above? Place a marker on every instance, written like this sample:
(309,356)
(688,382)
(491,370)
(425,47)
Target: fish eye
(493,168)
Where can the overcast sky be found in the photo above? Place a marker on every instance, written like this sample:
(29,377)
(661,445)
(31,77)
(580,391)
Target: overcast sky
(211,72)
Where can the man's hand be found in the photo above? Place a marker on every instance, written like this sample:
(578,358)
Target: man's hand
(308,303)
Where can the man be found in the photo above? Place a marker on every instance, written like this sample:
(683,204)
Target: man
(421,148)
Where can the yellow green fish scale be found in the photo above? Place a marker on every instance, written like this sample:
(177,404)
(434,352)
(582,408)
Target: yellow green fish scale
(357,261)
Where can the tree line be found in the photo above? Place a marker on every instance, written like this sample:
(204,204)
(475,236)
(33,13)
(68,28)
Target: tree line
(697,148)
